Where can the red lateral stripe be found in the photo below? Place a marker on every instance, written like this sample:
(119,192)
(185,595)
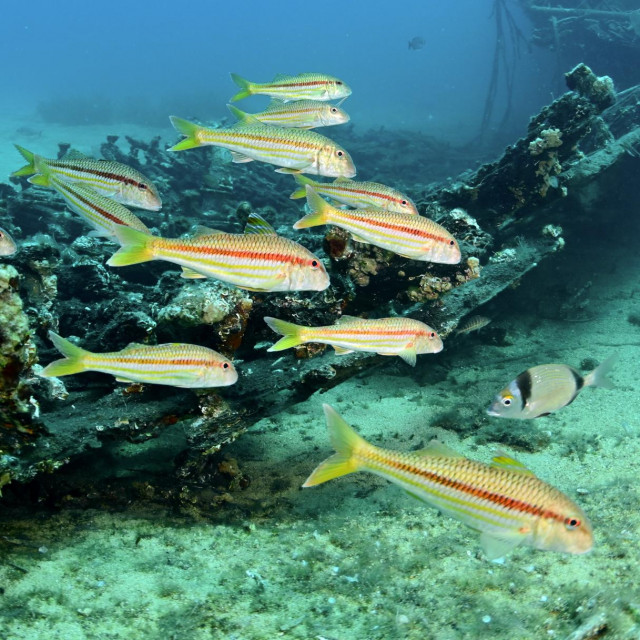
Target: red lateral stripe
(101,211)
(95,172)
(293,85)
(376,194)
(246,254)
(498,499)
(403,229)
(151,360)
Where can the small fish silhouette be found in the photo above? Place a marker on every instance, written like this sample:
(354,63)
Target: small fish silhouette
(417,43)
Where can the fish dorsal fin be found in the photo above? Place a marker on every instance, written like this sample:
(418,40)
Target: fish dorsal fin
(190,274)
(74,154)
(256,224)
(437,449)
(345,318)
(497,547)
(341,179)
(199,231)
(504,461)
(244,119)
(280,77)
(134,345)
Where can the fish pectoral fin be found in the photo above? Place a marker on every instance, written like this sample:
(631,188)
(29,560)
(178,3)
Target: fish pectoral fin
(287,170)
(341,351)
(408,354)
(240,157)
(269,285)
(503,460)
(190,274)
(359,239)
(119,379)
(495,547)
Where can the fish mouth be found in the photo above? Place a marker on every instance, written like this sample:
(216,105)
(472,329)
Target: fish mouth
(492,412)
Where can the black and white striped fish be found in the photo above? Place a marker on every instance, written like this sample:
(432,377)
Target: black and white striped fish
(546,388)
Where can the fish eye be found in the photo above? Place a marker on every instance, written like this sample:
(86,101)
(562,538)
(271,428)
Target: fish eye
(334,110)
(314,264)
(339,153)
(432,334)
(339,83)
(404,203)
(572,523)
(451,243)
(225,365)
(507,401)
(142,186)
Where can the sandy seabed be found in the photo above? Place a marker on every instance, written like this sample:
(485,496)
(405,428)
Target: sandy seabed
(356,557)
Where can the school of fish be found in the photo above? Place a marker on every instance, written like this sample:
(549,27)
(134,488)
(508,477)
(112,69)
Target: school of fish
(503,500)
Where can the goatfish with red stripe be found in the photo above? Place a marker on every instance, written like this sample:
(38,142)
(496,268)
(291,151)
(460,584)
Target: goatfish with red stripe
(402,337)
(302,114)
(100,212)
(407,235)
(292,150)
(546,388)
(258,260)
(312,86)
(177,365)
(359,195)
(504,501)
(111,179)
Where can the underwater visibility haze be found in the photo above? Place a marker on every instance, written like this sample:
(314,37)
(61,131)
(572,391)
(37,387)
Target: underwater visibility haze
(320,322)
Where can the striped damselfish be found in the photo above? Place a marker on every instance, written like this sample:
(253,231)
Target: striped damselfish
(504,501)
(111,179)
(175,365)
(257,260)
(292,150)
(402,337)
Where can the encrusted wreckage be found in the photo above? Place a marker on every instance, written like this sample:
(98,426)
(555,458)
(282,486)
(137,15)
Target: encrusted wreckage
(507,217)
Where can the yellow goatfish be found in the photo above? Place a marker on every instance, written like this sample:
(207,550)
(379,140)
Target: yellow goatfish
(314,86)
(504,501)
(302,114)
(176,365)
(111,179)
(359,195)
(407,235)
(292,150)
(402,337)
(258,260)
(100,212)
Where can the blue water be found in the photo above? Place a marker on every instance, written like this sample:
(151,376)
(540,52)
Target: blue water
(147,59)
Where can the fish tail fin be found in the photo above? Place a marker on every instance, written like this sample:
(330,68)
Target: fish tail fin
(41,179)
(245,86)
(292,334)
(598,377)
(188,129)
(320,211)
(303,181)
(30,157)
(347,444)
(136,247)
(73,361)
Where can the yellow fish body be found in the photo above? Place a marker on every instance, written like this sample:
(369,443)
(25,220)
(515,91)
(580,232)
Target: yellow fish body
(504,501)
